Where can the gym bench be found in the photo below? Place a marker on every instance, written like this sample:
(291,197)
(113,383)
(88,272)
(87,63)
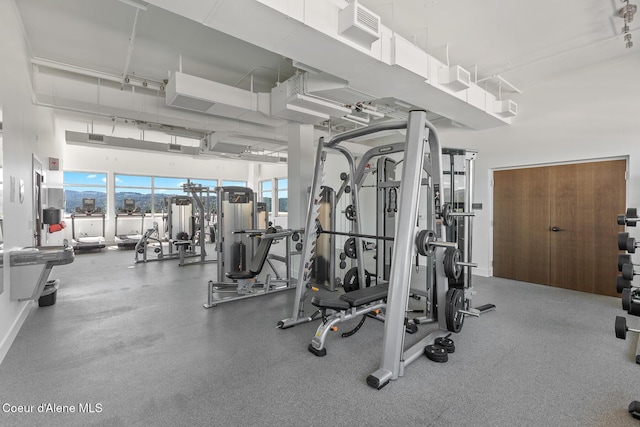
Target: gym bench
(361,302)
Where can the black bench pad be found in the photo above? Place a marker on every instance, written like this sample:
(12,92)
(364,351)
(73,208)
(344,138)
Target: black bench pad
(366,295)
(238,275)
(332,303)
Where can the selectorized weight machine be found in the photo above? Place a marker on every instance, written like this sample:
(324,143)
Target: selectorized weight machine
(243,249)
(184,220)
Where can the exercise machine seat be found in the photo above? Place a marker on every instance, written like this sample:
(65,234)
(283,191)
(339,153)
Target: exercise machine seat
(258,260)
(332,303)
(366,295)
(353,299)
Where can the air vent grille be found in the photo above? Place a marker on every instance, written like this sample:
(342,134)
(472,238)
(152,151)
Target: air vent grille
(367,19)
(175,147)
(192,103)
(94,137)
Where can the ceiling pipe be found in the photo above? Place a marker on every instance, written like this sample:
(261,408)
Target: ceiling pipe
(502,80)
(132,39)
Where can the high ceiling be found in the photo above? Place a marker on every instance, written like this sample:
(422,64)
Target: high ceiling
(507,46)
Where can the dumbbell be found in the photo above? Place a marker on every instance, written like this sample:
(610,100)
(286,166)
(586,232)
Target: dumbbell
(622,284)
(622,260)
(625,265)
(631,301)
(629,218)
(626,243)
(628,272)
(621,328)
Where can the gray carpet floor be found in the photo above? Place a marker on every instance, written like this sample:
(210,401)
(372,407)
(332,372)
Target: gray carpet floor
(135,342)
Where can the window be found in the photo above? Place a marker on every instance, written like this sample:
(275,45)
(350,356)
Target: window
(283,195)
(275,193)
(211,202)
(266,193)
(133,187)
(84,185)
(166,187)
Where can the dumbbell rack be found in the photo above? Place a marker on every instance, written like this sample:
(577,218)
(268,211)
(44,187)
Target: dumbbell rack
(630,294)
(624,286)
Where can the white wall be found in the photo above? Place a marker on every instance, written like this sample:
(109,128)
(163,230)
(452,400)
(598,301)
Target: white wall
(592,114)
(28,130)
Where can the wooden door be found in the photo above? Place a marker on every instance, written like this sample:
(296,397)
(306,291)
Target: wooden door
(556,225)
(520,211)
(585,200)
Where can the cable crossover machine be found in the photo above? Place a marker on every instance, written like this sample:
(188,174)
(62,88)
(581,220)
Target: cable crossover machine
(448,297)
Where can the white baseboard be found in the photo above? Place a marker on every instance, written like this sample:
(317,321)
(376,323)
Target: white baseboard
(483,272)
(6,342)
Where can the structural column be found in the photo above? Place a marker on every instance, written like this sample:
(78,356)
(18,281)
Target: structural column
(300,171)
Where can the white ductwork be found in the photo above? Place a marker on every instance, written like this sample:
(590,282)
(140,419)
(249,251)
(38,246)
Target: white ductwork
(290,101)
(219,149)
(92,95)
(105,141)
(359,24)
(309,33)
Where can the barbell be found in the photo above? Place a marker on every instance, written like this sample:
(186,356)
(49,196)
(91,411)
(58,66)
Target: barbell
(426,243)
(448,216)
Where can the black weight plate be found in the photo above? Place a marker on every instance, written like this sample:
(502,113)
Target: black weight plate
(454,318)
(299,246)
(343,265)
(446,343)
(350,248)
(445,213)
(423,242)
(350,212)
(627,271)
(631,245)
(621,327)
(436,353)
(621,219)
(622,260)
(626,298)
(622,240)
(295,237)
(343,256)
(451,268)
(351,282)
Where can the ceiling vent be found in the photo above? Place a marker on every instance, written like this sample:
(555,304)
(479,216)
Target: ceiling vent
(206,96)
(290,102)
(454,78)
(507,108)
(94,137)
(359,24)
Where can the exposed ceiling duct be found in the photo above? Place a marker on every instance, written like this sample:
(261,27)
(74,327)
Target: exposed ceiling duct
(388,66)
(219,149)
